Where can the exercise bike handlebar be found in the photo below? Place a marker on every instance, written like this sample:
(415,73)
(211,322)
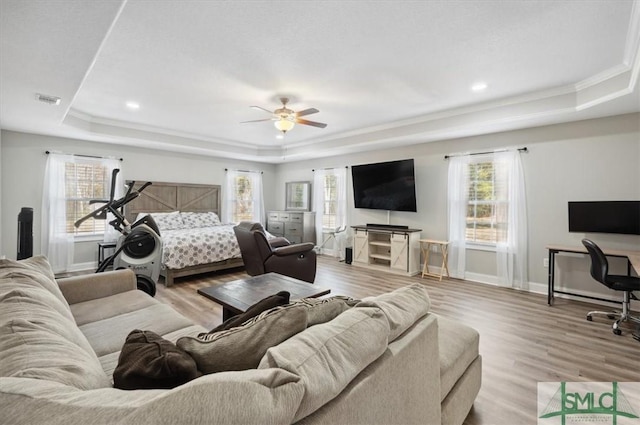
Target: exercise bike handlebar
(113,204)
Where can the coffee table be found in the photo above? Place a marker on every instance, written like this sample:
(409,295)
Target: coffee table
(237,296)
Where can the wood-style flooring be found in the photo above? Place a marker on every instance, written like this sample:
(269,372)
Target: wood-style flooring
(523,341)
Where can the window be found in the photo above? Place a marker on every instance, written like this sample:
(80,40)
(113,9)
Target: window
(487,208)
(244,197)
(85,180)
(243,206)
(330,204)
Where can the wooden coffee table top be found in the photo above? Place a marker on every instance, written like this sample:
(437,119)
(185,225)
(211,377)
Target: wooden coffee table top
(239,295)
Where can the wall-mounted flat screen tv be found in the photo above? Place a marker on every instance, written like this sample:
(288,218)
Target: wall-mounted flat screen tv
(385,186)
(621,217)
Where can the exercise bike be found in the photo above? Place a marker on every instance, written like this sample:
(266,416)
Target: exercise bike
(140,247)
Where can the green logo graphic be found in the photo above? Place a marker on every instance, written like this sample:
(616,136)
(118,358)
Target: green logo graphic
(589,404)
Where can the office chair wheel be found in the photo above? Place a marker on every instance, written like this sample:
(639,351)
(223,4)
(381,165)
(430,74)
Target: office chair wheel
(589,318)
(617,331)
(611,316)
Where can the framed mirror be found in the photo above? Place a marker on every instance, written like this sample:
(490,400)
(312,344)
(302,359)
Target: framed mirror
(298,196)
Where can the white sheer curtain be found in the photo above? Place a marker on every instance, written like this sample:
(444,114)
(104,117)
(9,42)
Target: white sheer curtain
(458,198)
(56,243)
(511,254)
(319,195)
(232,196)
(318,202)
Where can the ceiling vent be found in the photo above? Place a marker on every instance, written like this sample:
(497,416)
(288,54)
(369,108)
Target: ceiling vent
(51,100)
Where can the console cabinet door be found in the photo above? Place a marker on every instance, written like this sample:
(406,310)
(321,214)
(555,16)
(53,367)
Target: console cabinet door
(400,252)
(361,247)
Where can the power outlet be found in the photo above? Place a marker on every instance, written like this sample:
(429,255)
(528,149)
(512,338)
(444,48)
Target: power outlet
(545,263)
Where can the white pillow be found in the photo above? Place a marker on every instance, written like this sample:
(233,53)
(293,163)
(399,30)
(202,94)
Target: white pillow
(168,221)
(194,220)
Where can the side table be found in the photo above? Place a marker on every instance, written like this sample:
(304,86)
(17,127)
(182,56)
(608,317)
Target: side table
(425,246)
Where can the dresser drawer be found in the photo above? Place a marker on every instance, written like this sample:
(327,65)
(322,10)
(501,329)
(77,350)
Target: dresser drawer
(275,227)
(293,229)
(273,216)
(296,217)
(283,216)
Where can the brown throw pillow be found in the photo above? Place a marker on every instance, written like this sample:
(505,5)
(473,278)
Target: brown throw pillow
(149,361)
(281,298)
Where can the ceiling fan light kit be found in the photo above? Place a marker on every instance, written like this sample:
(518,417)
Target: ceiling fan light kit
(284,119)
(284,124)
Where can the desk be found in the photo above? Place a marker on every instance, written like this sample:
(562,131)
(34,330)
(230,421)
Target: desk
(633,261)
(425,246)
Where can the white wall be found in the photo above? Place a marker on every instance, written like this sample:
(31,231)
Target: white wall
(588,160)
(22,175)
(2,254)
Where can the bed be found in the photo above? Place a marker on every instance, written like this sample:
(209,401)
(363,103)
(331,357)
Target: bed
(194,240)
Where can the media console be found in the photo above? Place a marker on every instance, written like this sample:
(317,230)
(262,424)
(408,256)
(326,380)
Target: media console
(394,249)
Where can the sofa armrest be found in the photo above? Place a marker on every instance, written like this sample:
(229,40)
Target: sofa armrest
(77,289)
(244,397)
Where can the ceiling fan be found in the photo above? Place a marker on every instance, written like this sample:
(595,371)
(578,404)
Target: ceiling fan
(285,119)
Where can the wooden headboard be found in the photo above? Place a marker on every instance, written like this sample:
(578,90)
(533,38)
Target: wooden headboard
(167,197)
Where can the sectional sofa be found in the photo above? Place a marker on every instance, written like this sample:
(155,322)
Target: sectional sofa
(387,360)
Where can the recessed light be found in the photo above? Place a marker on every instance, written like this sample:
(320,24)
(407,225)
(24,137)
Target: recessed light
(477,87)
(133,105)
(279,136)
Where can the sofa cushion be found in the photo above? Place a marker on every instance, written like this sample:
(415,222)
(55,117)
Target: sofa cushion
(275,300)
(458,349)
(149,361)
(108,335)
(328,356)
(36,271)
(20,290)
(402,307)
(111,306)
(37,341)
(242,347)
(322,310)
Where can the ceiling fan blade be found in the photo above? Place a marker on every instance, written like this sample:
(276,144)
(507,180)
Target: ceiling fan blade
(265,119)
(262,109)
(307,112)
(312,123)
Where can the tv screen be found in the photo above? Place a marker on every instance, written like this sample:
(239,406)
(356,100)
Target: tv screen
(385,186)
(621,217)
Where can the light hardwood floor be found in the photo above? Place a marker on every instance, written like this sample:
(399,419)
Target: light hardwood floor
(523,341)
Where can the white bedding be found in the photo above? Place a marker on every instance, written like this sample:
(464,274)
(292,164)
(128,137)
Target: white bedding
(202,245)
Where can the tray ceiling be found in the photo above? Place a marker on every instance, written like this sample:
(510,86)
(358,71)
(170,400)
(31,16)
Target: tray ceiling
(383,73)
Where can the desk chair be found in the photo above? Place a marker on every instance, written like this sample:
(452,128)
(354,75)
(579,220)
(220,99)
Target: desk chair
(626,284)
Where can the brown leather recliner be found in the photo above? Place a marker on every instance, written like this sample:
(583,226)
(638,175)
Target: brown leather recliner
(260,257)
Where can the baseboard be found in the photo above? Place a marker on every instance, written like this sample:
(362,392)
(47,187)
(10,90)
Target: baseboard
(541,288)
(81,267)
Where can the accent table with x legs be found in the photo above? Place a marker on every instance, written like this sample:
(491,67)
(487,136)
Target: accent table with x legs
(425,246)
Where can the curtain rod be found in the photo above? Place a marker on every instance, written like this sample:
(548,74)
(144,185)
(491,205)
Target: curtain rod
(246,171)
(85,156)
(330,168)
(483,153)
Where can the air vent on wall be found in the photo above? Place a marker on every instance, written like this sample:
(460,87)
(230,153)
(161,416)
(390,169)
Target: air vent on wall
(51,100)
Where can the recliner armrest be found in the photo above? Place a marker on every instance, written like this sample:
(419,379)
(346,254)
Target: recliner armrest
(278,242)
(293,249)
